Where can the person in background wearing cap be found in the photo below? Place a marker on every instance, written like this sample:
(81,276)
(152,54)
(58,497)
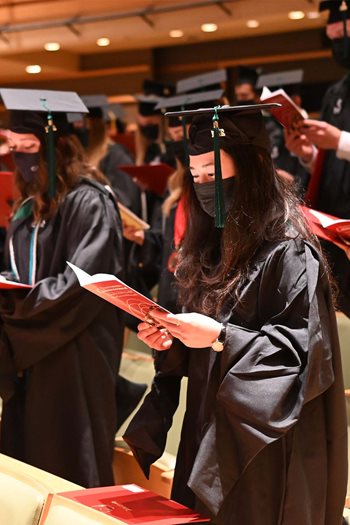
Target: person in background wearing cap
(287,165)
(331,136)
(264,435)
(60,347)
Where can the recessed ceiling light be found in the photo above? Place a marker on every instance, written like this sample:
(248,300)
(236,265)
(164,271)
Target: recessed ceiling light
(252,24)
(296,15)
(103,42)
(176,33)
(33,69)
(52,46)
(209,28)
(313,14)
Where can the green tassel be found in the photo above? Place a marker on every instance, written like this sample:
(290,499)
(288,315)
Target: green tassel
(219,198)
(50,151)
(183,123)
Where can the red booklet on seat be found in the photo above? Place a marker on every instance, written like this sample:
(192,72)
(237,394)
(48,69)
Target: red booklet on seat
(328,227)
(113,290)
(153,176)
(132,505)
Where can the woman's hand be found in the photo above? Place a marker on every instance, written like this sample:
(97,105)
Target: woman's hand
(157,338)
(192,329)
(299,144)
(134,235)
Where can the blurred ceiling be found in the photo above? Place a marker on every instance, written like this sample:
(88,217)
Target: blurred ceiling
(27,25)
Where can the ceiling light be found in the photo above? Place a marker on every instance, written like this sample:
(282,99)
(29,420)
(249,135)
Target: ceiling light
(313,14)
(252,24)
(103,42)
(209,28)
(52,46)
(176,33)
(296,15)
(33,69)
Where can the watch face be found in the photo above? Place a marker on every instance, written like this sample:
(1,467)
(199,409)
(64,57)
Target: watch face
(217,346)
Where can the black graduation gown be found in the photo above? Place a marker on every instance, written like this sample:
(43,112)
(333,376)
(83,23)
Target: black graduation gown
(127,191)
(61,345)
(334,191)
(283,159)
(264,436)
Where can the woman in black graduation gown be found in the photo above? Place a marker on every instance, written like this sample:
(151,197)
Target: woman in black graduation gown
(264,434)
(60,347)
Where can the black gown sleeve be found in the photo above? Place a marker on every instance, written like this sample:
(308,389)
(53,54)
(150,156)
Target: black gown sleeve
(147,432)
(57,309)
(269,373)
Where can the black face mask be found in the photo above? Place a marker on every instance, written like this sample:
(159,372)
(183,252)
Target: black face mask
(206,195)
(150,132)
(341,51)
(27,164)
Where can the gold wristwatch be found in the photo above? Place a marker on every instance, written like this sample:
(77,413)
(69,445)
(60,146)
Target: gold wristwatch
(218,344)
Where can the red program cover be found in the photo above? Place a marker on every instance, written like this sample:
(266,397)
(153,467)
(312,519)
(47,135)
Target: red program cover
(288,115)
(135,505)
(153,176)
(332,229)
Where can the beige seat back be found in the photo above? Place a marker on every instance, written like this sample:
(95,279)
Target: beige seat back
(21,499)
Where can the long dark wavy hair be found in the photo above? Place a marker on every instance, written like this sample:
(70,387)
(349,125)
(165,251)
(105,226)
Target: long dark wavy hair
(214,264)
(71,165)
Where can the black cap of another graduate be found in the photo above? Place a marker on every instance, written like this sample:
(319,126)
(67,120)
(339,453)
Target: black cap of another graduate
(43,113)
(247,75)
(152,93)
(212,80)
(290,80)
(189,101)
(29,109)
(338,10)
(96,104)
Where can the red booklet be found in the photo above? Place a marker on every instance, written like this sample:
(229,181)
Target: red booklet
(8,194)
(153,176)
(289,114)
(127,140)
(113,290)
(131,504)
(5,284)
(329,227)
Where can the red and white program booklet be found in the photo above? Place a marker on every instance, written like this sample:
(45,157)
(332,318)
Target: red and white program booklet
(115,291)
(132,505)
(289,114)
(328,227)
(5,284)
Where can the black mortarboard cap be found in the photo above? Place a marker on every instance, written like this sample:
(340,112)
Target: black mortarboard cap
(43,113)
(289,80)
(213,80)
(338,10)
(212,128)
(96,105)
(247,75)
(151,87)
(147,105)
(189,101)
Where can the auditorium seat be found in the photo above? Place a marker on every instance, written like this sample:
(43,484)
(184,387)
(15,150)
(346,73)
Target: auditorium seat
(23,491)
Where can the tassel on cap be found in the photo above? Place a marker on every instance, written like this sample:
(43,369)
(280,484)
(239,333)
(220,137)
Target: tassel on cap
(219,198)
(51,157)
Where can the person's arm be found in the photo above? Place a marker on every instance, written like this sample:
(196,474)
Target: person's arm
(57,309)
(343,149)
